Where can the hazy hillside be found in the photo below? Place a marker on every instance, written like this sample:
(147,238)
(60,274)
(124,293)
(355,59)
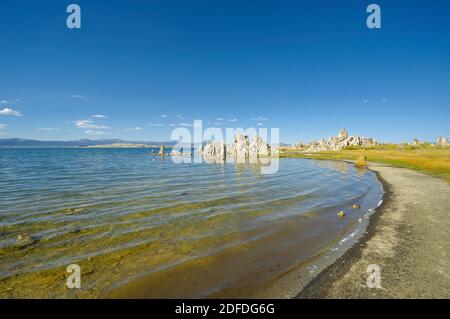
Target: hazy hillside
(19,142)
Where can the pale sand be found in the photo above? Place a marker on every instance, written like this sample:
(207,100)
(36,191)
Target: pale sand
(408,237)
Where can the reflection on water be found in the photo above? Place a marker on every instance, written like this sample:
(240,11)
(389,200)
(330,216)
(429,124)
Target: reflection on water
(145,214)
(339,166)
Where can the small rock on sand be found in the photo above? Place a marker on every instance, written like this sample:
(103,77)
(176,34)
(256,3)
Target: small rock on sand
(341,214)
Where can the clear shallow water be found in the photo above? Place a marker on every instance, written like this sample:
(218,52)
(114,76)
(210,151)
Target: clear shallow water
(151,214)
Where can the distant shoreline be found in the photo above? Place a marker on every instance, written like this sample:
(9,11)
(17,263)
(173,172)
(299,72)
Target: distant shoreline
(84,147)
(132,146)
(29,143)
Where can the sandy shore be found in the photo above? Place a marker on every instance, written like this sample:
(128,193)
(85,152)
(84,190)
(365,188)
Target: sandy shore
(409,238)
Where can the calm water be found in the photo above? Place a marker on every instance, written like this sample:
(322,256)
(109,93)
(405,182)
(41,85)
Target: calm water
(144,214)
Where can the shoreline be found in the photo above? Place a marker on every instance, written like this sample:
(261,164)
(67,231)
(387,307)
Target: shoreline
(394,242)
(295,281)
(330,273)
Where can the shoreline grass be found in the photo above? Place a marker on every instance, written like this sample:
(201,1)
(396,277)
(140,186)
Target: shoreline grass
(431,160)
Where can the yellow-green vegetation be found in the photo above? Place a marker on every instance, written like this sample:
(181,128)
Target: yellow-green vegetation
(428,158)
(361,161)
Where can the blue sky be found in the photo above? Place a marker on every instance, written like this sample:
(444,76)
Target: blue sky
(308,68)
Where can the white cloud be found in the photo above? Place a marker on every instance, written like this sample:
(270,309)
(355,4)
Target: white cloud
(217,123)
(8,111)
(49,129)
(219,119)
(384,99)
(3,126)
(78,96)
(181,117)
(9,102)
(172,125)
(232,120)
(156,124)
(93,132)
(260,124)
(88,124)
(365,101)
(164,115)
(187,124)
(137,128)
(259,119)
(99,116)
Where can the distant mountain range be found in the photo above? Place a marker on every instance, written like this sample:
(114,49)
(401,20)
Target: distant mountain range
(20,142)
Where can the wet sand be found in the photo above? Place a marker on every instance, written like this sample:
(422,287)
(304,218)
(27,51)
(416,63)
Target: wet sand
(408,238)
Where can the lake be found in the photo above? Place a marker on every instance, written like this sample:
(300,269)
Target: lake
(144,226)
